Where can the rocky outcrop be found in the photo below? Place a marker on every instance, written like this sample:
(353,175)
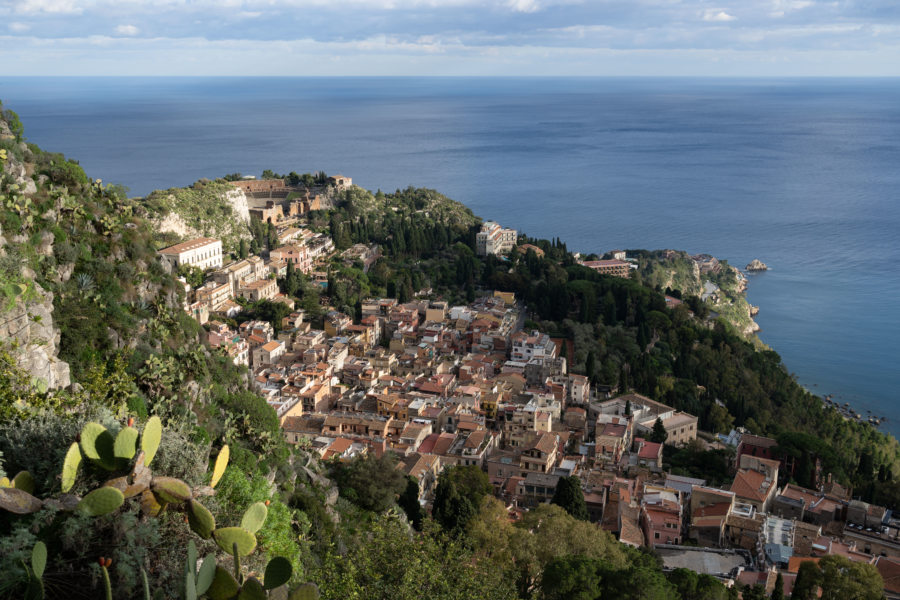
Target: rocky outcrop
(28,328)
(757,265)
(206,209)
(239,204)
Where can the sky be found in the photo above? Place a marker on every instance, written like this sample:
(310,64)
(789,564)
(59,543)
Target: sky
(742,38)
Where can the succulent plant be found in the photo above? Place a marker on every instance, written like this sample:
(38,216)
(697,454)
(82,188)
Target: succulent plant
(134,479)
(236,541)
(255,517)
(219,467)
(98,444)
(101,501)
(170,489)
(150,438)
(200,519)
(70,467)
(125,445)
(197,581)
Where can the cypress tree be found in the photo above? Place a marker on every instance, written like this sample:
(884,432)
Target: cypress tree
(570,496)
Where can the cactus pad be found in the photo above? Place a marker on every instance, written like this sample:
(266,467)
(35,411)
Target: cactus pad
(126,444)
(224,586)
(150,504)
(150,438)
(38,559)
(278,573)
(70,467)
(101,501)
(219,467)
(170,489)
(252,590)
(4,482)
(18,502)
(97,444)
(306,591)
(23,481)
(228,536)
(206,574)
(201,520)
(255,517)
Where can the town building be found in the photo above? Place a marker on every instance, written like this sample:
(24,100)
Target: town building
(616,268)
(493,239)
(202,253)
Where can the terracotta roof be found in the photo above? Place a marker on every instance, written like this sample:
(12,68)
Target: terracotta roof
(719,509)
(794,562)
(889,567)
(751,484)
(337,447)
(427,445)
(273,345)
(649,450)
(443,443)
(545,442)
(758,440)
(613,430)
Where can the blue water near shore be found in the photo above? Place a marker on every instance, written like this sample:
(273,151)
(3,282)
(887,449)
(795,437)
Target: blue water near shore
(803,174)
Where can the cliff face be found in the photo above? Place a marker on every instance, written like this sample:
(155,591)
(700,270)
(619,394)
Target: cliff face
(206,209)
(722,286)
(28,328)
(26,309)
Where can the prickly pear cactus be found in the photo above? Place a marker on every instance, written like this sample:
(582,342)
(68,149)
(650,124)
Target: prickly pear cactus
(221,464)
(101,501)
(254,517)
(150,438)
(70,467)
(227,537)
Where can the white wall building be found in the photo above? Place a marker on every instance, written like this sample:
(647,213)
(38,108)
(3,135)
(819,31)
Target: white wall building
(493,239)
(203,253)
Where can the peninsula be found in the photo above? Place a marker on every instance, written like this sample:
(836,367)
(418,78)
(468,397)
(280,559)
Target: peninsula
(294,387)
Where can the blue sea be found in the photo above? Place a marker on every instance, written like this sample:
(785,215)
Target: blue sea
(802,174)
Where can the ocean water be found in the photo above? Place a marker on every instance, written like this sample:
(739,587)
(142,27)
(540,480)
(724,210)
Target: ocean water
(802,174)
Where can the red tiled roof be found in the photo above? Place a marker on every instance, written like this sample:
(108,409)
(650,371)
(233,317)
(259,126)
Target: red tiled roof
(889,567)
(751,484)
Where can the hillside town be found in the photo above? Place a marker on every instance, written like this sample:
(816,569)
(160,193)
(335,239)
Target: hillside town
(442,385)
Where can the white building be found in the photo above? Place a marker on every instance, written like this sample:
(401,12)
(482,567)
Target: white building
(203,253)
(493,239)
(534,345)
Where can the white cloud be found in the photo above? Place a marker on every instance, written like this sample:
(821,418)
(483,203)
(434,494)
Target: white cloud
(19,27)
(717,16)
(526,6)
(127,30)
(49,6)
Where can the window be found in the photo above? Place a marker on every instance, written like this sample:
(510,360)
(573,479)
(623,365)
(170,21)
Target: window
(656,535)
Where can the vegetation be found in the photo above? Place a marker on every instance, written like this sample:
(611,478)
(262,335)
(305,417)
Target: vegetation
(354,528)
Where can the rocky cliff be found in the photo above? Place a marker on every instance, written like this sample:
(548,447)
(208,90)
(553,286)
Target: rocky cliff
(27,327)
(206,209)
(721,287)
(26,309)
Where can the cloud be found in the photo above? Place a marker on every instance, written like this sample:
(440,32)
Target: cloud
(127,30)
(49,6)
(717,16)
(526,6)
(413,36)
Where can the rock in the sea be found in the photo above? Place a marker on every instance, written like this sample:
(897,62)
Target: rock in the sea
(757,265)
